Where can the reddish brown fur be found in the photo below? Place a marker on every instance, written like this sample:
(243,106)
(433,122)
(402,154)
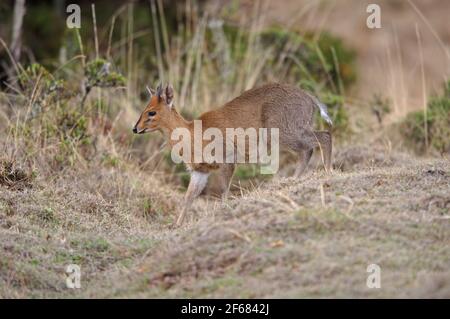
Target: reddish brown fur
(285,107)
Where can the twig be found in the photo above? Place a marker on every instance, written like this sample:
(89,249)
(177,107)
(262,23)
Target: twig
(94,21)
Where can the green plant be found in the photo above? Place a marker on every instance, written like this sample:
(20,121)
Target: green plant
(380,107)
(324,61)
(430,129)
(46,215)
(321,66)
(110,160)
(338,114)
(98,74)
(40,87)
(70,128)
(245,172)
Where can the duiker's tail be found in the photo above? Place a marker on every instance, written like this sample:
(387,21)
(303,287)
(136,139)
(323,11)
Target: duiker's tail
(322,108)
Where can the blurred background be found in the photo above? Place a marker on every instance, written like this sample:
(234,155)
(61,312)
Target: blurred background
(389,56)
(79,90)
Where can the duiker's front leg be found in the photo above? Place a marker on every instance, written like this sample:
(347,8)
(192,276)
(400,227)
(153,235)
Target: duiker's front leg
(196,185)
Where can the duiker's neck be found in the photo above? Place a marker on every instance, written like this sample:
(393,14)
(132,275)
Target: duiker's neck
(175,121)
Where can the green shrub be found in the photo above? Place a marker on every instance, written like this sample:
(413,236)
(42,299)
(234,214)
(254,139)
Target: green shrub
(68,127)
(246,171)
(72,125)
(338,114)
(98,74)
(40,87)
(110,160)
(339,58)
(323,66)
(437,121)
(326,61)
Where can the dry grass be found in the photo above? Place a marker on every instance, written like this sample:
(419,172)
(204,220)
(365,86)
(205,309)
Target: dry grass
(14,177)
(107,204)
(279,240)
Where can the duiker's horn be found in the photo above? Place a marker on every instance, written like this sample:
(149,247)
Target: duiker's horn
(149,91)
(159,90)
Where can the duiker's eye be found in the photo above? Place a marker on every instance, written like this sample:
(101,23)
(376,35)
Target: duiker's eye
(152,113)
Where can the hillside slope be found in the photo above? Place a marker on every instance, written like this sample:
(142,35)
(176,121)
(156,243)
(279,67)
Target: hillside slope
(312,237)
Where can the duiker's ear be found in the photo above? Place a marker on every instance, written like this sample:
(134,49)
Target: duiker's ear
(169,95)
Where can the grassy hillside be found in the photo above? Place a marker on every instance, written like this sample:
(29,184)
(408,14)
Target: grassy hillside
(77,187)
(312,237)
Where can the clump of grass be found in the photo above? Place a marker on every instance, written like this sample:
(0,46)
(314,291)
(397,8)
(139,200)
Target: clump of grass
(64,125)
(72,125)
(248,172)
(110,160)
(15,177)
(154,209)
(430,130)
(97,245)
(40,87)
(65,130)
(46,215)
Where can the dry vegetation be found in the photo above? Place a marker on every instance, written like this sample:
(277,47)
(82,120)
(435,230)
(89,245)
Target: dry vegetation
(287,238)
(76,187)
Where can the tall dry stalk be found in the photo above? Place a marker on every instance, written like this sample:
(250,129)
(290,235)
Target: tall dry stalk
(424,90)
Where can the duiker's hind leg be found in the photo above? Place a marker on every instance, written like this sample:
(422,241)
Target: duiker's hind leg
(304,157)
(308,140)
(324,142)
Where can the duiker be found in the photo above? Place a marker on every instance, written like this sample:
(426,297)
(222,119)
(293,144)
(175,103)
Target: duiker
(281,106)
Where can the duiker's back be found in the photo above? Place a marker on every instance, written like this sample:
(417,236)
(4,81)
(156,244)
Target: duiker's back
(271,105)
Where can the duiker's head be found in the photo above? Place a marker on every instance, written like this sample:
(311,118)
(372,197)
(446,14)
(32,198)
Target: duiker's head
(158,111)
